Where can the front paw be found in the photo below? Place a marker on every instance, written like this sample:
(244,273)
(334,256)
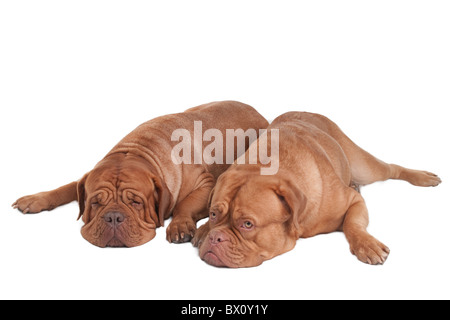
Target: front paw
(181,230)
(33,204)
(369,250)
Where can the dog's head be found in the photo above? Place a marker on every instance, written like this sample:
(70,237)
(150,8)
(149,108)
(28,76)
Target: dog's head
(253,218)
(122,202)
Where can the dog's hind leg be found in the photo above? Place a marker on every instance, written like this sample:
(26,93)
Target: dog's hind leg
(366,168)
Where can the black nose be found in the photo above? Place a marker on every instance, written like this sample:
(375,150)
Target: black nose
(114,219)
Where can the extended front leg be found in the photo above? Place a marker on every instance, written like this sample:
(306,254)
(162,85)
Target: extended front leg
(364,246)
(48,200)
(190,210)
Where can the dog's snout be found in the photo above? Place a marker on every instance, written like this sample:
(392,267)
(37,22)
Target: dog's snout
(114,218)
(216,237)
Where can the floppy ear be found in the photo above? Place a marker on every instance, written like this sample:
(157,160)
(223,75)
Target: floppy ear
(164,199)
(292,198)
(226,188)
(210,197)
(81,194)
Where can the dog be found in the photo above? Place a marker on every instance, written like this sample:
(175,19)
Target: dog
(137,185)
(255,217)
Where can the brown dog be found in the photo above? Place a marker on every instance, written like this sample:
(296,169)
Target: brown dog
(137,185)
(254,217)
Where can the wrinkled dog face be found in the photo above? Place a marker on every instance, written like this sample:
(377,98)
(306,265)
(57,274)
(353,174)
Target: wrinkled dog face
(251,220)
(119,204)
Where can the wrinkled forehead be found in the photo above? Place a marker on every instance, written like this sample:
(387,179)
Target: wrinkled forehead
(255,196)
(119,177)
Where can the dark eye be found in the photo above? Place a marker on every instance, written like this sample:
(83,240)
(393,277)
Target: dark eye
(137,204)
(213,216)
(248,225)
(94,204)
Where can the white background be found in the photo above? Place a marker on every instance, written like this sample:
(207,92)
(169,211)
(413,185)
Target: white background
(77,76)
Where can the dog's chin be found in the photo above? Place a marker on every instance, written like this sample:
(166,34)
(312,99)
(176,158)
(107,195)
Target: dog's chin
(102,236)
(115,243)
(213,259)
(214,256)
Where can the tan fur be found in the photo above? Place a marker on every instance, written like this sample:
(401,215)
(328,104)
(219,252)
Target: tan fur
(138,186)
(254,218)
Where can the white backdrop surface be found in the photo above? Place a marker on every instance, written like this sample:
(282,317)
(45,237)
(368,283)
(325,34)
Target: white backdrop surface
(77,76)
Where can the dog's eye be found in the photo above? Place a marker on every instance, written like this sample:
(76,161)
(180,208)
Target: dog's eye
(248,225)
(95,203)
(213,216)
(137,204)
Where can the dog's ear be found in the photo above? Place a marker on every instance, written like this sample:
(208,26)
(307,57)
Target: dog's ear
(210,197)
(81,194)
(226,188)
(292,198)
(164,199)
